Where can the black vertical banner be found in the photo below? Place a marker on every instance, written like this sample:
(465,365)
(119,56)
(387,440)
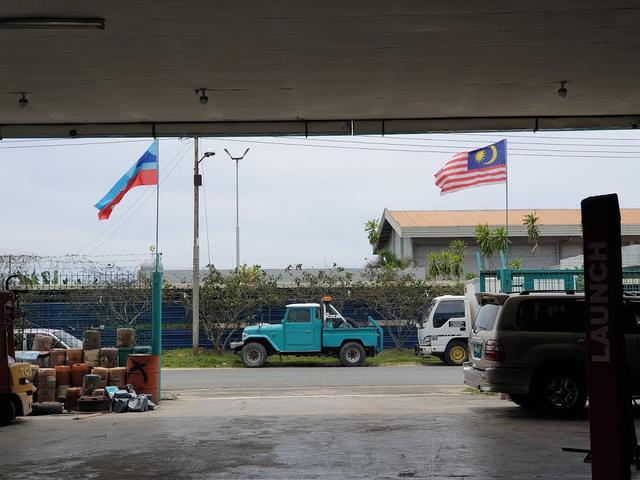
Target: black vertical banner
(610,419)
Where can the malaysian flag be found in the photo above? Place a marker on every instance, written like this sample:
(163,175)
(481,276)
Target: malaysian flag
(475,168)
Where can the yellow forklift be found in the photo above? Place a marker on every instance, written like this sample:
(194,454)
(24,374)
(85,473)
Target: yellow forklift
(16,389)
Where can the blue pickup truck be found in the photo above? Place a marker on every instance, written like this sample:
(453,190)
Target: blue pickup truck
(314,329)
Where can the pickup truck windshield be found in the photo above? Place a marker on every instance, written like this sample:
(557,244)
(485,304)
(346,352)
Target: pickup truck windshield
(487,317)
(447,310)
(425,318)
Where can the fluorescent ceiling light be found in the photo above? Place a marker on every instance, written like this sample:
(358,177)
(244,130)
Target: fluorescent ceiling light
(57,23)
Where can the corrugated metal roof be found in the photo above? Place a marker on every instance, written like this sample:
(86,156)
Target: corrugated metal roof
(460,218)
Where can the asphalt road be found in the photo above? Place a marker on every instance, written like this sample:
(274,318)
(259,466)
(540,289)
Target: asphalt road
(309,377)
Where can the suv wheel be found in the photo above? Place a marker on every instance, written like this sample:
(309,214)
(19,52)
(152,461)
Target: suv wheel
(562,392)
(352,354)
(524,401)
(456,353)
(254,355)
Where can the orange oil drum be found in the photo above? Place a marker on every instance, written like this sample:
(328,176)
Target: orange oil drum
(143,373)
(74,356)
(57,356)
(108,357)
(78,372)
(71,400)
(47,378)
(92,357)
(42,343)
(125,337)
(63,375)
(91,340)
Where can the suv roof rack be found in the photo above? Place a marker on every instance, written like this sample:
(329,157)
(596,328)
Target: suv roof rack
(527,292)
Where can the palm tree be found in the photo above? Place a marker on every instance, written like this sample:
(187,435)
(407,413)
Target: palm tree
(457,247)
(484,241)
(530,220)
(457,266)
(371,227)
(515,264)
(386,258)
(433,262)
(499,239)
(446,264)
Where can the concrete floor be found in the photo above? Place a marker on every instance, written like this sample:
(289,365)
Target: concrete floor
(434,432)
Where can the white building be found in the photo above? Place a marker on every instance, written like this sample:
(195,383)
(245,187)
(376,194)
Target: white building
(415,234)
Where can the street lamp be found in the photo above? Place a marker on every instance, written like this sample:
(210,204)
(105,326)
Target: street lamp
(237,160)
(197,182)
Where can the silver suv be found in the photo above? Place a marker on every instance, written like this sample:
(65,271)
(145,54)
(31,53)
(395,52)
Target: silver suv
(532,346)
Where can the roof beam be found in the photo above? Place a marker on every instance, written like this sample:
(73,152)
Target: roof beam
(318,127)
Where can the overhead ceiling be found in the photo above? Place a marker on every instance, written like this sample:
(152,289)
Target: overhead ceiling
(320,67)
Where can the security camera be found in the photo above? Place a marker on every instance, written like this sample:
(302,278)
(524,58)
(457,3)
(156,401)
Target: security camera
(23,102)
(562,91)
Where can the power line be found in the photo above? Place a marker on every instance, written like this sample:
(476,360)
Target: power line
(511,148)
(533,154)
(511,142)
(539,135)
(543,135)
(393,137)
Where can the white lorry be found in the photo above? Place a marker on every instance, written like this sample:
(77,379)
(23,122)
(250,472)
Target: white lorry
(444,329)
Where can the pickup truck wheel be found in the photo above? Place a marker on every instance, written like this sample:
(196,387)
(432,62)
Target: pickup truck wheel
(254,355)
(562,392)
(456,353)
(352,354)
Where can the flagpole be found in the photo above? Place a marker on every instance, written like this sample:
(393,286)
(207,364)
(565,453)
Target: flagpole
(506,202)
(158,215)
(156,290)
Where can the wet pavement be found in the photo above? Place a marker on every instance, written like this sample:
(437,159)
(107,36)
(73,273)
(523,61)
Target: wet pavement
(377,431)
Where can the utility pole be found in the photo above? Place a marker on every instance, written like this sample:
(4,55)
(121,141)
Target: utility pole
(237,160)
(195,296)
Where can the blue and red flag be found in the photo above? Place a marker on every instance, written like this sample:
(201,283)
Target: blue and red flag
(474,168)
(144,172)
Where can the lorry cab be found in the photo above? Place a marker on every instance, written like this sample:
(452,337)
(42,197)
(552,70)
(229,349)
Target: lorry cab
(444,329)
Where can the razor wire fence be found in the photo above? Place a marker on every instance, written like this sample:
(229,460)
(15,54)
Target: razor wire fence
(63,305)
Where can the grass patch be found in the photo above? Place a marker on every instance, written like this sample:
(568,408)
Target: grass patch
(475,391)
(183,358)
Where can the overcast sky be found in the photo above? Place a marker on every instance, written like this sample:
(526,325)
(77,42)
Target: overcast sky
(300,202)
